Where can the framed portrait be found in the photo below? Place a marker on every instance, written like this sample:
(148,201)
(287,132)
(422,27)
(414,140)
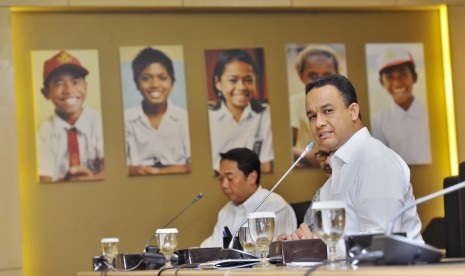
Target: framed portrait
(398,99)
(306,63)
(239,111)
(156,121)
(66,85)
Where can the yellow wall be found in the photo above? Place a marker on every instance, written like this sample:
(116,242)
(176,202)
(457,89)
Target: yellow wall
(63,223)
(10,237)
(457,25)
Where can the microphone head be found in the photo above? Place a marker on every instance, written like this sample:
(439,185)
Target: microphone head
(198,197)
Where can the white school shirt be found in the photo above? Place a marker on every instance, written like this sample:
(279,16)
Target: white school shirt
(405,131)
(168,145)
(52,144)
(375,184)
(227,134)
(232,216)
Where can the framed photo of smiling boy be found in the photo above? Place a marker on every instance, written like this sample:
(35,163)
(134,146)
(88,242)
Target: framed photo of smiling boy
(239,112)
(155,110)
(398,99)
(69,135)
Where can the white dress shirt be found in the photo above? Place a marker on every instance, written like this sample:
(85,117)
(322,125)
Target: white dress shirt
(405,131)
(252,129)
(167,145)
(375,184)
(232,215)
(52,144)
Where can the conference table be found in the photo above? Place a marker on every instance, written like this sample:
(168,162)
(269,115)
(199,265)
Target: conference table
(449,268)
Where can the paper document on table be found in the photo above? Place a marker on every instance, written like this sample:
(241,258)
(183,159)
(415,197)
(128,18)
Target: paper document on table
(229,263)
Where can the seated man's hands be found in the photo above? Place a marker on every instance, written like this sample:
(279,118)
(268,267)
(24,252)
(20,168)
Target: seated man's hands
(302,233)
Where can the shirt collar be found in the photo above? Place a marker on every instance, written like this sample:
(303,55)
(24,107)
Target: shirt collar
(412,111)
(224,112)
(348,150)
(253,200)
(82,123)
(140,115)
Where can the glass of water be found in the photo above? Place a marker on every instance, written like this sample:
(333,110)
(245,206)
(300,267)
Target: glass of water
(167,239)
(246,239)
(329,221)
(110,251)
(261,227)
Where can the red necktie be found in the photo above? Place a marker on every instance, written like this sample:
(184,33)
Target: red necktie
(73,148)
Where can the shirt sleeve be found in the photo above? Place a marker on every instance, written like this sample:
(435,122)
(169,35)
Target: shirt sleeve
(44,150)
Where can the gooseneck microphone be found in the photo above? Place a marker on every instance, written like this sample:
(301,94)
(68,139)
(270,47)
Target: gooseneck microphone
(401,250)
(230,255)
(196,198)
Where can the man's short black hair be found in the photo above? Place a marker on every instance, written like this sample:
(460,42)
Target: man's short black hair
(247,161)
(342,84)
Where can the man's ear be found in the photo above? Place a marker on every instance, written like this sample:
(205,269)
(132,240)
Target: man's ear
(252,177)
(415,76)
(354,109)
(381,79)
(45,92)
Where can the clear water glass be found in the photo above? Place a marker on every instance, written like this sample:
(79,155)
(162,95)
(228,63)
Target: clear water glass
(261,227)
(110,251)
(167,239)
(246,239)
(329,221)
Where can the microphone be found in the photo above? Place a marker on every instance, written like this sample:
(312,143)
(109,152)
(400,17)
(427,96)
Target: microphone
(230,252)
(401,250)
(196,198)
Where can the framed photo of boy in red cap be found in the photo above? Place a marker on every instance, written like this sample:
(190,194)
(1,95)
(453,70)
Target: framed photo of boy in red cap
(69,134)
(398,99)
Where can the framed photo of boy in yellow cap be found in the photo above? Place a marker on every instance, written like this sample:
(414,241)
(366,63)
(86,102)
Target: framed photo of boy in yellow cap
(69,134)
(398,99)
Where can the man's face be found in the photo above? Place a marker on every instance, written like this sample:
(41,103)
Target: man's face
(322,155)
(398,81)
(155,84)
(332,123)
(238,84)
(67,91)
(235,185)
(317,66)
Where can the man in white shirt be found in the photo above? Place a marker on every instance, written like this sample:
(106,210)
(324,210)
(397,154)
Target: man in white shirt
(370,178)
(239,177)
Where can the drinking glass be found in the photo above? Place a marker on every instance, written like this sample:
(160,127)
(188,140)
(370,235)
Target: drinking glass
(167,239)
(246,240)
(329,221)
(261,227)
(110,251)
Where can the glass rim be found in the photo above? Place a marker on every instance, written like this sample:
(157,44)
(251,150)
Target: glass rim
(328,204)
(109,240)
(262,215)
(166,230)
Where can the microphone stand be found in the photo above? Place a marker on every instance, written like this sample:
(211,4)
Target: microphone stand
(401,250)
(197,198)
(230,252)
